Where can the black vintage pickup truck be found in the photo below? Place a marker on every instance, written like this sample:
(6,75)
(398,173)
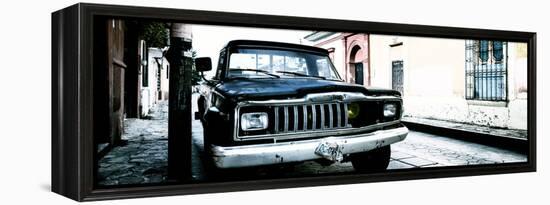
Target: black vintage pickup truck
(272,103)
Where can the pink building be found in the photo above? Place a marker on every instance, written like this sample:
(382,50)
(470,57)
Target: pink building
(348,51)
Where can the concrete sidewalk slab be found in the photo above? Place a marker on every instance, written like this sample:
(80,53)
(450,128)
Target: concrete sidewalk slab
(505,138)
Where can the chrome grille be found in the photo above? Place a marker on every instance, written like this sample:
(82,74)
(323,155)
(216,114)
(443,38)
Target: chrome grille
(302,118)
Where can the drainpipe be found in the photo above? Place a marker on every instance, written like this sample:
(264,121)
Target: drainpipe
(346,59)
(368,59)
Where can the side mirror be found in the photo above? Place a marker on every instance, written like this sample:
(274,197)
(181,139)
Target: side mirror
(203,64)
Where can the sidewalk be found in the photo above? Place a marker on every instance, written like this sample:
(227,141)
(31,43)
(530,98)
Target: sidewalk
(143,160)
(507,138)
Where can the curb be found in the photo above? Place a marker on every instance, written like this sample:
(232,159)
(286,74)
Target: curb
(509,143)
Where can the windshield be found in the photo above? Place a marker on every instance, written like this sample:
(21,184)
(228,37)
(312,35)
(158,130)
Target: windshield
(270,63)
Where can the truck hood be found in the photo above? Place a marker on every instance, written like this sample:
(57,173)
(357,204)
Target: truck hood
(281,88)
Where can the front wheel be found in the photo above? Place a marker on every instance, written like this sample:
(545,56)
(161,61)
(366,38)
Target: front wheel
(376,160)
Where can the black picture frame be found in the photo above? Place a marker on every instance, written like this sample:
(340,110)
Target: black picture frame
(72,97)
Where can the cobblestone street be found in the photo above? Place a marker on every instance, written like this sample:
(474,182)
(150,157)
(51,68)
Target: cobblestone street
(417,151)
(143,159)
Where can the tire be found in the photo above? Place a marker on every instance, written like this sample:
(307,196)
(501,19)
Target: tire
(211,171)
(376,160)
(206,140)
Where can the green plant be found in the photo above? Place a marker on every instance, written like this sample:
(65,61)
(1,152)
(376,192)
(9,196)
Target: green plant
(154,33)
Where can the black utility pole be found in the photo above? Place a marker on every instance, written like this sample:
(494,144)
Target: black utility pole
(179,103)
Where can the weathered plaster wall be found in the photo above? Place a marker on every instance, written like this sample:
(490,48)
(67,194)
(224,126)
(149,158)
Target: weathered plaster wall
(434,84)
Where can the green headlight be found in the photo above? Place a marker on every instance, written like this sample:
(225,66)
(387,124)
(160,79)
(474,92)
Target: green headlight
(353,110)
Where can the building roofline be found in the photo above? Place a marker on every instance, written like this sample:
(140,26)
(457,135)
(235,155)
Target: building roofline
(236,43)
(318,35)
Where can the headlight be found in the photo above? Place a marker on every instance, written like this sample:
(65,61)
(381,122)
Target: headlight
(254,121)
(390,110)
(353,110)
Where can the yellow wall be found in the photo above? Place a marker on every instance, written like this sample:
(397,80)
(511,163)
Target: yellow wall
(431,66)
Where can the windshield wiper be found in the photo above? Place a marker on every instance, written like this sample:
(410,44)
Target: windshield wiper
(301,74)
(255,70)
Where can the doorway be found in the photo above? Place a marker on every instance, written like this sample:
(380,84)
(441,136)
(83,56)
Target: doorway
(397,76)
(359,73)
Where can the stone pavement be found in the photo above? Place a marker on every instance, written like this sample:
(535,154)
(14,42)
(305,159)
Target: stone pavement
(418,150)
(143,159)
(499,132)
(426,150)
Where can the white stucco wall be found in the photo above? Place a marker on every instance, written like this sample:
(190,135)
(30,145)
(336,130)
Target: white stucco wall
(149,94)
(380,60)
(164,79)
(434,81)
(517,85)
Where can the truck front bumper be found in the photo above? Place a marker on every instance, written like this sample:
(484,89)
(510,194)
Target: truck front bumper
(298,151)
